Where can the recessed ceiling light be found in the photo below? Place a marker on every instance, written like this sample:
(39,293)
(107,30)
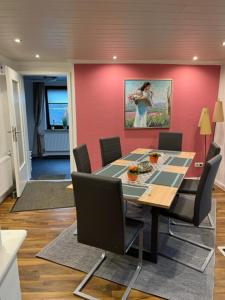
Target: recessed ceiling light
(223,43)
(195,58)
(37,55)
(114,57)
(17,40)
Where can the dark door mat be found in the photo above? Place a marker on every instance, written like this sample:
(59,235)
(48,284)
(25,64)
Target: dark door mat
(44,195)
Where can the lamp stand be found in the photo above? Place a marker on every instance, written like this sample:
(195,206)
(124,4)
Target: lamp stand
(214,130)
(205,145)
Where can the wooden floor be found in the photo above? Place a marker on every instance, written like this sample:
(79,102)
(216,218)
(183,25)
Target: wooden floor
(42,280)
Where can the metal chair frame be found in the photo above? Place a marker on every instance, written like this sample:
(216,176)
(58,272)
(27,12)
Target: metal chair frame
(207,260)
(78,291)
(211,226)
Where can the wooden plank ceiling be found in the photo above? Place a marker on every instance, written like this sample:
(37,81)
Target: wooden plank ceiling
(141,30)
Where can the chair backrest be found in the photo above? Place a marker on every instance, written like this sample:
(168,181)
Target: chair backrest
(203,199)
(214,150)
(100,214)
(110,149)
(170,141)
(82,159)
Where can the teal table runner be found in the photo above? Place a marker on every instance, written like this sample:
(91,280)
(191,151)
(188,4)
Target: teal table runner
(133,191)
(133,157)
(165,178)
(166,152)
(178,161)
(111,170)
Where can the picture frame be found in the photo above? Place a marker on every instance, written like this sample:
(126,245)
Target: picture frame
(147,103)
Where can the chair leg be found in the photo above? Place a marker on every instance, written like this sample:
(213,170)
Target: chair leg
(125,206)
(211,226)
(138,269)
(204,265)
(78,292)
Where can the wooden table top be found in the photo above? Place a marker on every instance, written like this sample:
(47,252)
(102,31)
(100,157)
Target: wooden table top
(157,188)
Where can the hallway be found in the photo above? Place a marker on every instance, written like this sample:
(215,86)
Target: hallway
(50,168)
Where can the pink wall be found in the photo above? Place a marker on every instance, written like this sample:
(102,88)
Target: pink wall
(99,94)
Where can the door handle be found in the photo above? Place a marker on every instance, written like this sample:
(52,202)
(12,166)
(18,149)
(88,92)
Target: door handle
(14,133)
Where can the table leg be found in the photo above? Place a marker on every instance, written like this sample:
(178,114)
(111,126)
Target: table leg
(153,254)
(154,234)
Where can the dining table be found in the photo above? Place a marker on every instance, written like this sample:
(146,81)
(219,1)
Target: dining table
(156,186)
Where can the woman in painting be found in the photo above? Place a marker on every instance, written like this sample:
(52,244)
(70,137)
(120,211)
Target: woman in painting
(143,99)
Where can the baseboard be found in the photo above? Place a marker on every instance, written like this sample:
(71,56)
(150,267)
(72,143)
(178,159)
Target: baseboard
(52,153)
(6,194)
(220,184)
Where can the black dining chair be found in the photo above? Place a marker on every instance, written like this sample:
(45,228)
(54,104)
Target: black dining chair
(82,159)
(194,209)
(110,149)
(101,221)
(171,141)
(190,186)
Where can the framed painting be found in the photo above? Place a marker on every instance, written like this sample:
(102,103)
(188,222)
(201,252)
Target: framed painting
(147,103)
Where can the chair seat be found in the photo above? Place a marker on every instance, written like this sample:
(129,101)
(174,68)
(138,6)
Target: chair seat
(132,229)
(189,186)
(182,208)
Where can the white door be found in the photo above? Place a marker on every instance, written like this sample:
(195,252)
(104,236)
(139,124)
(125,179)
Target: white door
(17,112)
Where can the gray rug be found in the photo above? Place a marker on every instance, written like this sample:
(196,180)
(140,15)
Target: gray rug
(44,195)
(167,279)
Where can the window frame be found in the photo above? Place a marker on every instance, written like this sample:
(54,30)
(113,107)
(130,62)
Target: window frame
(49,126)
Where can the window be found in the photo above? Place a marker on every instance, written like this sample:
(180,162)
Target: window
(56,107)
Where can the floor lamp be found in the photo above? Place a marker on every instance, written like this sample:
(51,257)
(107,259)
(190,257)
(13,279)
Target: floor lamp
(218,115)
(205,125)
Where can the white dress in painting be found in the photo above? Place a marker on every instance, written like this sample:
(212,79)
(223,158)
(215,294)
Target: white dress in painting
(142,109)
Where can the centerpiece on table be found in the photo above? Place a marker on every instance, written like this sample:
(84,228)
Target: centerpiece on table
(141,168)
(153,157)
(132,173)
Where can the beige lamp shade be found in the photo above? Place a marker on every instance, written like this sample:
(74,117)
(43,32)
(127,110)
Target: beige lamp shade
(218,115)
(200,119)
(204,122)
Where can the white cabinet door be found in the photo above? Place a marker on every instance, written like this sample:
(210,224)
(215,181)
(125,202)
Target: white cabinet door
(10,286)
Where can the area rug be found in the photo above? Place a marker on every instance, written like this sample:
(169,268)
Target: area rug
(167,279)
(44,195)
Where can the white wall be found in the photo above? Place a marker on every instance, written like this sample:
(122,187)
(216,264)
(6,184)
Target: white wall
(219,137)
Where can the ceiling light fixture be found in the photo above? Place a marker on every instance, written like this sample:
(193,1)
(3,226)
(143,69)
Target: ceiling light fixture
(37,56)
(114,57)
(17,40)
(195,58)
(223,43)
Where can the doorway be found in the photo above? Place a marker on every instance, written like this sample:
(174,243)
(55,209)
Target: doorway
(48,126)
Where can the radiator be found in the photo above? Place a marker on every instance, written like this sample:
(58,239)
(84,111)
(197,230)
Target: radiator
(56,141)
(6,181)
